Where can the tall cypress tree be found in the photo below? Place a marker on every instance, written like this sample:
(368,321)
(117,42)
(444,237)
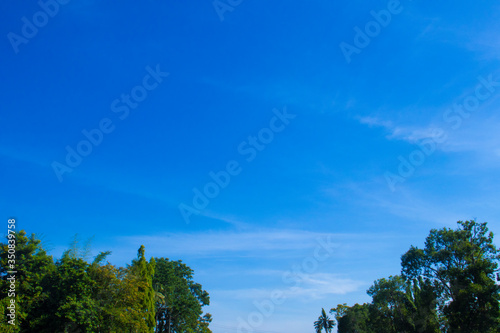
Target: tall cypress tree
(144,271)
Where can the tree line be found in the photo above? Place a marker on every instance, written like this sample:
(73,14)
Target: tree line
(76,296)
(451,285)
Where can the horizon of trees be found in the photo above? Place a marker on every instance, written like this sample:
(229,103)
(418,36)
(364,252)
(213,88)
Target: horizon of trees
(75,296)
(448,286)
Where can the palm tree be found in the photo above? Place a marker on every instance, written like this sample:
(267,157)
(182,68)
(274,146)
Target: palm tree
(324,322)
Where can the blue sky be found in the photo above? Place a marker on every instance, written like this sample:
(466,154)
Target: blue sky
(365,149)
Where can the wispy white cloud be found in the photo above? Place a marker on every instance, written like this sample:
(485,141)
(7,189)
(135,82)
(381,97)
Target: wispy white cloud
(273,243)
(311,287)
(204,243)
(321,285)
(487,45)
(415,203)
(411,134)
(229,219)
(477,133)
(410,205)
(375,121)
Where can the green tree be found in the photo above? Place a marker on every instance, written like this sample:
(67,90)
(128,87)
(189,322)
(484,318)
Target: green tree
(203,323)
(388,309)
(32,266)
(74,296)
(324,322)
(401,305)
(355,319)
(421,301)
(141,272)
(70,305)
(461,265)
(115,298)
(181,302)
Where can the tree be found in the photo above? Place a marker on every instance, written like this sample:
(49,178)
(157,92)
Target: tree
(203,323)
(449,286)
(115,297)
(398,306)
(401,305)
(421,300)
(32,266)
(355,319)
(179,308)
(324,322)
(70,304)
(141,272)
(388,309)
(461,265)
(163,316)
(75,296)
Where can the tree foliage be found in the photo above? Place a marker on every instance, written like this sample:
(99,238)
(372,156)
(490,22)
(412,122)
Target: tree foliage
(75,296)
(448,286)
(181,299)
(353,319)
(324,323)
(33,265)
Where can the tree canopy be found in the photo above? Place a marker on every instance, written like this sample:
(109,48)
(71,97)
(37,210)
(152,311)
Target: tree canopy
(73,295)
(448,286)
